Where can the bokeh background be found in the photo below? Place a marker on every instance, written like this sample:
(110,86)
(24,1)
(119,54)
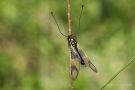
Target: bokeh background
(35,56)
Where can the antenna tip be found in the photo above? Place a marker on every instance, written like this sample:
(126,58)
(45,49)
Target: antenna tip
(82,6)
(51,12)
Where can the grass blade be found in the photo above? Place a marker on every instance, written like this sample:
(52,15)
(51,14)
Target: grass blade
(117,74)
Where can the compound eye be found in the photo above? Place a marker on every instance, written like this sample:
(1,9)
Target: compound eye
(69,39)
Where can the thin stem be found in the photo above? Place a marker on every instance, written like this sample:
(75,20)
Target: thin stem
(69,33)
(117,73)
(69,18)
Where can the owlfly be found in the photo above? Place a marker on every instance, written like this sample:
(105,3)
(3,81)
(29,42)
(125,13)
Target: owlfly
(77,55)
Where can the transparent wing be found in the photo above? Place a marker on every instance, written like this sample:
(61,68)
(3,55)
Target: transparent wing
(86,59)
(75,63)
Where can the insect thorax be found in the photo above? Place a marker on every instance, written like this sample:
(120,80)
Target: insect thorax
(72,41)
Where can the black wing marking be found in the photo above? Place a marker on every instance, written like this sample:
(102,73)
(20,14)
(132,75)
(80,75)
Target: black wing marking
(86,59)
(75,63)
(81,59)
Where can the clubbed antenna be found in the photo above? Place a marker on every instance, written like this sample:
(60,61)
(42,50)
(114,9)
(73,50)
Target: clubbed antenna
(58,25)
(80,19)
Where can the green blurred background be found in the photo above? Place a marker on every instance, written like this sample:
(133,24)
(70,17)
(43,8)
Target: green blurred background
(35,56)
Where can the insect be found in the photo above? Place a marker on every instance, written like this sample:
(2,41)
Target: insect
(77,55)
